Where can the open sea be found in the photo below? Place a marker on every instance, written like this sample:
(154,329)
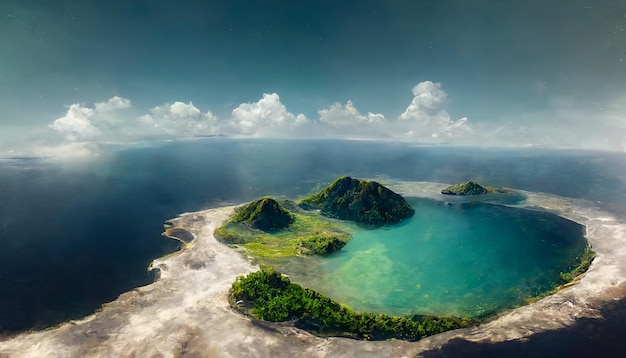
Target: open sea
(76,234)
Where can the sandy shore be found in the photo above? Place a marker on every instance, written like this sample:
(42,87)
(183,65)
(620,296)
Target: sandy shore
(185,312)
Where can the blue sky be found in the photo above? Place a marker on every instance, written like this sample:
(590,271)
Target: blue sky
(471,72)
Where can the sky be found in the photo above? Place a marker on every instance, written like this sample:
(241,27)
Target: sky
(75,75)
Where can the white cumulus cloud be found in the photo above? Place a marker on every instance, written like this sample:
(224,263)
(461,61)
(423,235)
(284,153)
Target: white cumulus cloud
(76,124)
(346,120)
(425,119)
(180,119)
(347,114)
(268,116)
(112,104)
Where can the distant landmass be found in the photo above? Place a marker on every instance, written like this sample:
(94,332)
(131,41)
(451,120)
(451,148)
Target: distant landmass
(472,188)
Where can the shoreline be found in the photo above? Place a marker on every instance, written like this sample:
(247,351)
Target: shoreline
(186,311)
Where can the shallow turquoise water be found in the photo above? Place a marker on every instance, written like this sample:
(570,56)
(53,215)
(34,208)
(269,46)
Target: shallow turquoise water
(464,259)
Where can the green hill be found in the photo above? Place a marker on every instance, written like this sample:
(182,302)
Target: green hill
(264,214)
(362,201)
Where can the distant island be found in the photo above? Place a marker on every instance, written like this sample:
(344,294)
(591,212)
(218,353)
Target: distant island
(472,188)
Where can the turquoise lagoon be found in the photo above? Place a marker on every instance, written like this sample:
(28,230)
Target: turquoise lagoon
(465,259)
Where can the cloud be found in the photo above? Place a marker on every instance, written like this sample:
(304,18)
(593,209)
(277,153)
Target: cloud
(179,119)
(566,122)
(112,104)
(425,119)
(76,124)
(268,116)
(346,120)
(347,115)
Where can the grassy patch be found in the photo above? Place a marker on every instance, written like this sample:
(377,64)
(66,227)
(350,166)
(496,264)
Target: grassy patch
(308,234)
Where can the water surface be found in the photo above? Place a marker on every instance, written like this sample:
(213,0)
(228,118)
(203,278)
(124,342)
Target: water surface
(464,259)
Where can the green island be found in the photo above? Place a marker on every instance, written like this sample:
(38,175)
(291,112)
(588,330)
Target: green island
(270,296)
(472,188)
(317,225)
(269,228)
(365,202)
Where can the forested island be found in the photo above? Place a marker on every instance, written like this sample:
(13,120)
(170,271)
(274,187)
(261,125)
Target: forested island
(270,296)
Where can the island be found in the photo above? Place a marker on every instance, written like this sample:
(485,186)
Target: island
(315,225)
(365,202)
(472,188)
(270,296)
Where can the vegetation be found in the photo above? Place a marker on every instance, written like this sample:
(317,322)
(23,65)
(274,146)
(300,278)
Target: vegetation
(269,296)
(360,201)
(265,214)
(472,188)
(585,260)
(307,233)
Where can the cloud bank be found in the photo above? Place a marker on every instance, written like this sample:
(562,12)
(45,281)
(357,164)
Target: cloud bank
(425,120)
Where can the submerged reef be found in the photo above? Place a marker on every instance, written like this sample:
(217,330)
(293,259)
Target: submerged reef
(472,188)
(270,296)
(362,201)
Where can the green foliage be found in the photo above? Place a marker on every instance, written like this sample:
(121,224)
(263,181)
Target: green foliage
(584,261)
(361,201)
(321,244)
(308,234)
(274,298)
(265,214)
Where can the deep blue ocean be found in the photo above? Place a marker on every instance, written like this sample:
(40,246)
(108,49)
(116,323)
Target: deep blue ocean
(76,234)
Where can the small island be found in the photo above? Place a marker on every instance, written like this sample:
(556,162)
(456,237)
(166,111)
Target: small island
(270,296)
(270,228)
(364,202)
(472,188)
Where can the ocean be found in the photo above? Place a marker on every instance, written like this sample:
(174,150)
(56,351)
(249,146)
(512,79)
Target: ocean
(76,234)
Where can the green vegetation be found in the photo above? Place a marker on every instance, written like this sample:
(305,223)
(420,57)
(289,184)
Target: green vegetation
(269,296)
(585,260)
(267,228)
(472,188)
(307,233)
(265,214)
(361,201)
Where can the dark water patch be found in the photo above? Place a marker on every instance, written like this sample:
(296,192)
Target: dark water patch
(587,337)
